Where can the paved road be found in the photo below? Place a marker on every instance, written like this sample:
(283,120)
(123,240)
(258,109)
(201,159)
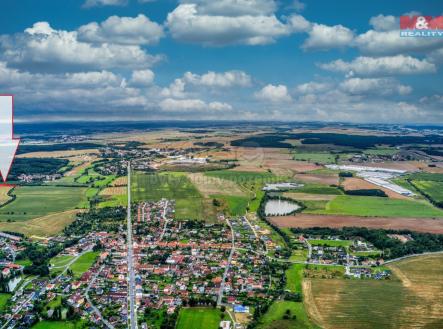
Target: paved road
(225,274)
(131,276)
(96,310)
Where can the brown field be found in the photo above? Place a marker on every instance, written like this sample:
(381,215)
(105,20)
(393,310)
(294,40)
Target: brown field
(113,190)
(42,226)
(401,165)
(412,298)
(4,197)
(78,167)
(212,185)
(318,179)
(309,197)
(308,220)
(120,181)
(354,183)
(77,154)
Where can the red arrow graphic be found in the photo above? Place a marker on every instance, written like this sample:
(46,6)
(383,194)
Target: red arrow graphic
(8,144)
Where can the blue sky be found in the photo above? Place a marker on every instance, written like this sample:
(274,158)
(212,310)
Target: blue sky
(219,60)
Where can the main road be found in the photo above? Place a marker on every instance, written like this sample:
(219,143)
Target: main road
(131,276)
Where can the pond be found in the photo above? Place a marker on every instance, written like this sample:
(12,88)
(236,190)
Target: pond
(280,207)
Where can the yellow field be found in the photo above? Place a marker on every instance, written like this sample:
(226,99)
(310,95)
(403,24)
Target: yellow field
(413,298)
(42,226)
(4,197)
(120,181)
(212,185)
(115,190)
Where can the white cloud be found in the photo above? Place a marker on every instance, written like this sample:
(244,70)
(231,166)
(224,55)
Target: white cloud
(313,87)
(97,3)
(188,24)
(172,105)
(299,24)
(390,65)
(234,7)
(390,43)
(138,30)
(44,49)
(359,86)
(175,89)
(274,94)
(385,22)
(323,37)
(214,79)
(142,78)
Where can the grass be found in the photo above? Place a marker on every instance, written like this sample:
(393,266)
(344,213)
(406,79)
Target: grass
(330,243)
(4,197)
(37,201)
(378,207)
(60,325)
(198,318)
(381,151)
(321,157)
(4,298)
(61,260)
(236,205)
(83,263)
(433,189)
(273,318)
(410,299)
(318,189)
(294,277)
(190,204)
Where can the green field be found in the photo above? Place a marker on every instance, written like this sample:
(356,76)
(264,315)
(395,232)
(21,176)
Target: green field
(3,300)
(331,243)
(38,201)
(83,263)
(274,317)
(432,189)
(409,300)
(236,204)
(198,318)
(294,277)
(378,207)
(60,325)
(318,189)
(324,158)
(189,203)
(61,260)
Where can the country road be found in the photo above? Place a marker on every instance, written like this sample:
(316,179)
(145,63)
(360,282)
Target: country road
(131,275)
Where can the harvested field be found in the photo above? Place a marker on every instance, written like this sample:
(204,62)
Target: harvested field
(60,154)
(320,179)
(42,226)
(120,181)
(115,190)
(413,298)
(4,197)
(414,224)
(78,169)
(354,183)
(309,197)
(208,185)
(400,165)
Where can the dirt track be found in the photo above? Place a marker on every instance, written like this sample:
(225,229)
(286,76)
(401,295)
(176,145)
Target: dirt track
(427,225)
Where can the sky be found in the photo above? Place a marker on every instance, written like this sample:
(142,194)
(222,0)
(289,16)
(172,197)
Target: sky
(266,60)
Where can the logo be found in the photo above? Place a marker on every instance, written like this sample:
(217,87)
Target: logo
(421,26)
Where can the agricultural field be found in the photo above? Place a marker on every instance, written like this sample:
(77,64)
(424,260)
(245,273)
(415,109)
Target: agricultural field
(38,201)
(83,263)
(235,205)
(4,197)
(323,158)
(199,318)
(432,189)
(275,317)
(190,204)
(41,226)
(379,207)
(60,325)
(412,298)
(425,225)
(331,243)
(294,278)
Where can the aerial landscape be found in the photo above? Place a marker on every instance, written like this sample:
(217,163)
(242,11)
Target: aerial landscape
(166,166)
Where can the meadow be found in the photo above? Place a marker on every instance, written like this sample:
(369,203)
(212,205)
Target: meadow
(38,201)
(378,207)
(323,158)
(294,278)
(236,205)
(432,189)
(4,298)
(60,325)
(198,318)
(190,204)
(331,243)
(4,197)
(274,317)
(412,298)
(83,263)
